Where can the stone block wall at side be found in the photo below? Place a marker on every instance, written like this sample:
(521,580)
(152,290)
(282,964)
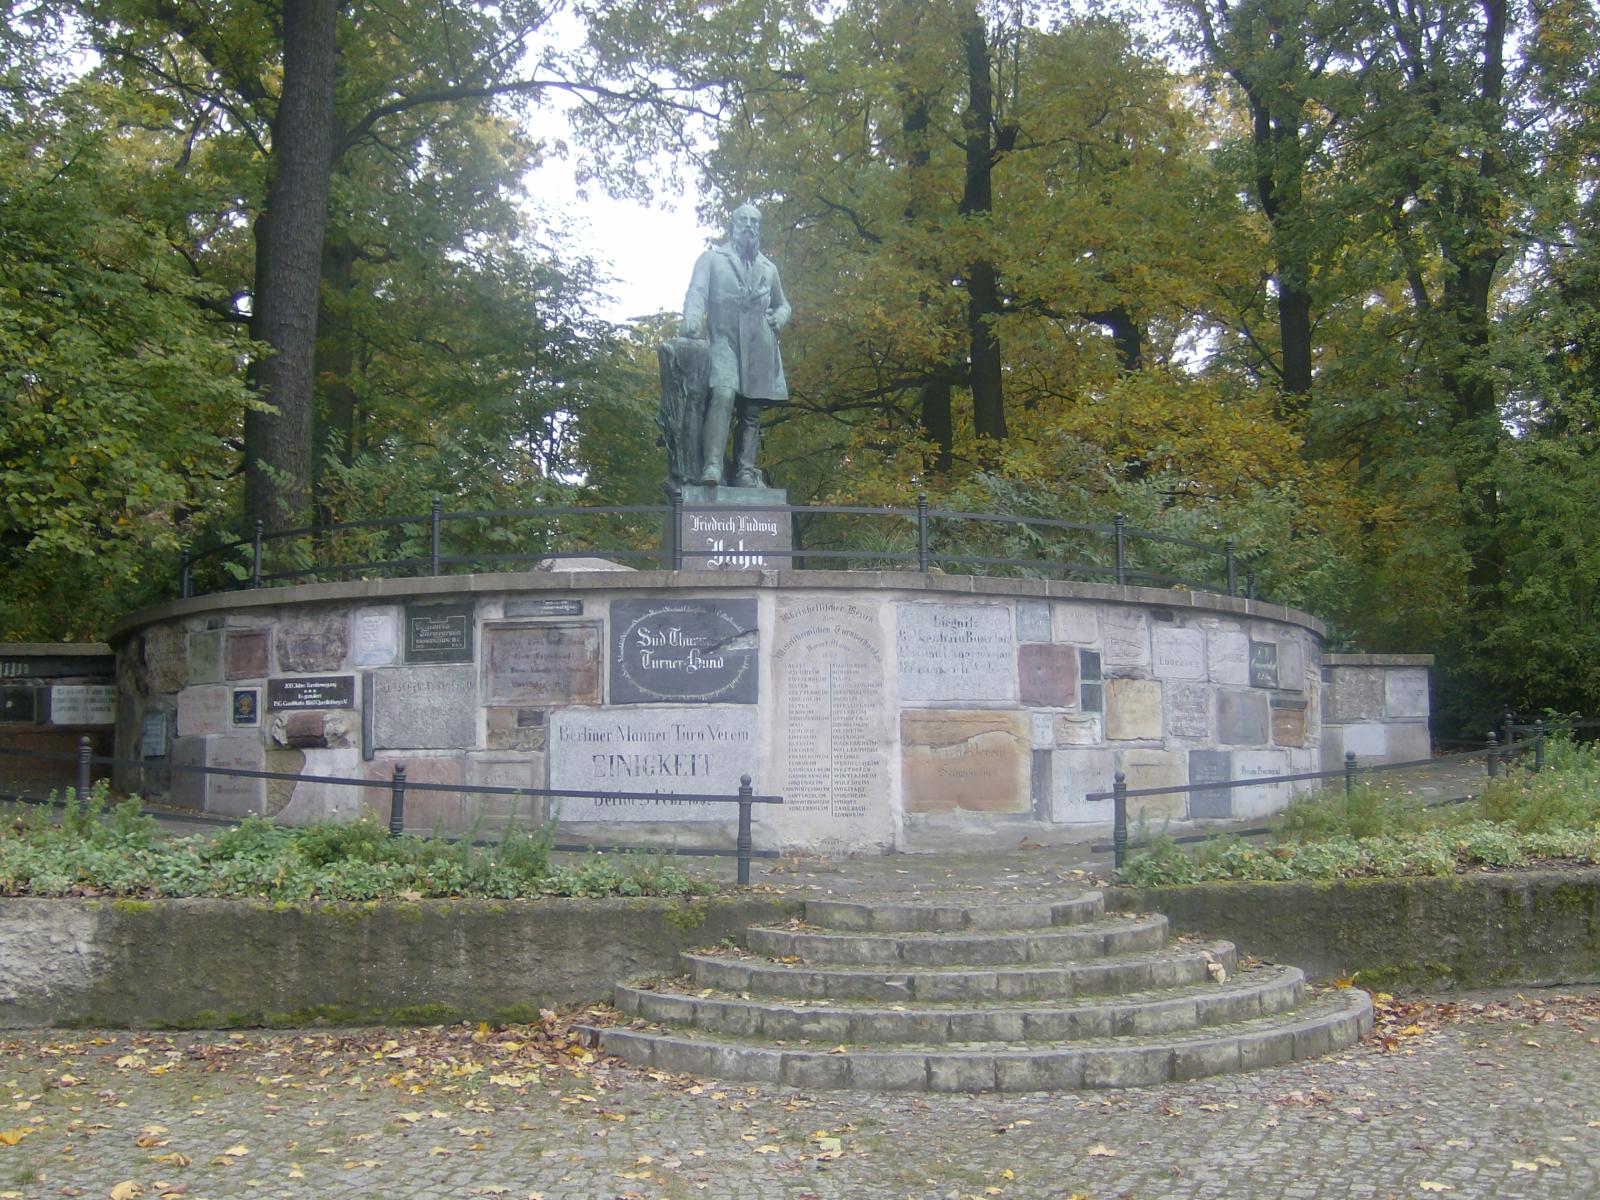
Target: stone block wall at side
(1376,705)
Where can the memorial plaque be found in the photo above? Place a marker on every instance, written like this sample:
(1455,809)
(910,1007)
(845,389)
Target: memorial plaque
(245,654)
(1126,634)
(1242,718)
(424,708)
(832,719)
(247,706)
(1155,769)
(451,812)
(1405,692)
(1078,729)
(1266,798)
(1288,724)
(205,656)
(1091,685)
(1048,675)
(313,644)
(545,663)
(153,736)
(515,728)
(439,633)
(1292,665)
(661,750)
(19,705)
(202,710)
(165,655)
(683,650)
(1354,693)
(83,704)
(1033,621)
(1211,766)
(1188,708)
(1076,622)
(1178,653)
(324,691)
(1228,656)
(57,666)
(728,538)
(559,606)
(375,637)
(955,652)
(1133,710)
(965,760)
(1074,773)
(1263,664)
(1041,732)
(234,795)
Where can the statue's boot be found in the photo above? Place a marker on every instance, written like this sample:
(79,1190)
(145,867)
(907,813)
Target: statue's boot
(746,440)
(714,434)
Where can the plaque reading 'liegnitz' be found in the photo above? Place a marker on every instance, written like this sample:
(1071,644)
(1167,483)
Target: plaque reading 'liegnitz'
(319,691)
(439,633)
(683,650)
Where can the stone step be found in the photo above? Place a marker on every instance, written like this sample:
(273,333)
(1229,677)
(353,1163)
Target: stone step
(1171,966)
(1254,992)
(947,915)
(1328,1021)
(1106,936)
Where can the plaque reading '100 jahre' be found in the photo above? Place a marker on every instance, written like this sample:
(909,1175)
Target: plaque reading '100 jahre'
(683,650)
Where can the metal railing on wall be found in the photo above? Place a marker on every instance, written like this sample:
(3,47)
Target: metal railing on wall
(397,786)
(922,537)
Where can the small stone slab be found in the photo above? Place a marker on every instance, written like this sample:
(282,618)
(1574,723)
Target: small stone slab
(425,708)
(1034,623)
(1188,709)
(311,644)
(973,760)
(1126,637)
(245,654)
(1211,766)
(1178,653)
(205,656)
(1405,692)
(1242,718)
(1076,621)
(546,662)
(1133,710)
(1047,675)
(375,637)
(439,633)
(202,710)
(1228,657)
(1263,664)
(955,652)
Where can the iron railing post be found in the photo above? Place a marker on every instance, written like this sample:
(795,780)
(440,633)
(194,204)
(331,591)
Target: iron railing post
(1119,818)
(1492,758)
(1538,745)
(397,801)
(677,530)
(85,771)
(1120,529)
(255,558)
(1250,584)
(1510,728)
(745,792)
(1349,773)
(185,583)
(433,535)
(922,532)
(1233,567)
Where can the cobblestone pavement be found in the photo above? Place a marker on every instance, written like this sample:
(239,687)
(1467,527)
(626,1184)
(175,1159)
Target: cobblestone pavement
(1499,1102)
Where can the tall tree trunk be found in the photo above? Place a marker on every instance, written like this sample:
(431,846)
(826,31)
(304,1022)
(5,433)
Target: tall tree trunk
(335,428)
(977,200)
(278,446)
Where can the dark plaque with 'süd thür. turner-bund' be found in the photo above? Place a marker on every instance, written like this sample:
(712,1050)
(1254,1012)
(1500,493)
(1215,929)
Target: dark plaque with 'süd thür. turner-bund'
(682,650)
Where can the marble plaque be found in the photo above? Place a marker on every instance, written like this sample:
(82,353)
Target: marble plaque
(1178,653)
(1033,621)
(1074,622)
(1263,664)
(19,705)
(153,736)
(1041,731)
(375,637)
(203,710)
(1155,769)
(1048,675)
(1289,725)
(1133,710)
(1354,694)
(547,662)
(1188,707)
(321,691)
(83,704)
(1074,773)
(439,633)
(661,750)
(1405,692)
(694,651)
(1242,718)
(1078,729)
(966,760)
(552,606)
(205,656)
(1228,657)
(1211,766)
(425,708)
(1267,798)
(313,644)
(730,538)
(1292,665)
(1126,634)
(235,795)
(955,652)
(832,719)
(245,654)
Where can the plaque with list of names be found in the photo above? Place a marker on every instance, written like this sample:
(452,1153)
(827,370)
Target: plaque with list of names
(439,633)
(683,650)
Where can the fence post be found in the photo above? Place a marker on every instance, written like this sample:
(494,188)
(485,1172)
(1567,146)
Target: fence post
(1120,528)
(1250,584)
(397,801)
(433,536)
(185,584)
(1510,728)
(1492,758)
(1538,745)
(922,532)
(1119,818)
(85,771)
(1349,773)
(744,830)
(677,530)
(1233,567)
(255,562)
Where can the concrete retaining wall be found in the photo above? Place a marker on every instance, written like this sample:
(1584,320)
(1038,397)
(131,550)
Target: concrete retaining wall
(1527,928)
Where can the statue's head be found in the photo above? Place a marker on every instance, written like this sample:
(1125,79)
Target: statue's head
(744,229)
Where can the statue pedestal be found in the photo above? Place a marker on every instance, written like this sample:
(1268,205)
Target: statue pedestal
(723,529)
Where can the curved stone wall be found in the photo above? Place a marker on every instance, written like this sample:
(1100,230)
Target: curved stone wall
(888,709)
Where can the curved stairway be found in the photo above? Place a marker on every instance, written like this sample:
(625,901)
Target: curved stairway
(963,996)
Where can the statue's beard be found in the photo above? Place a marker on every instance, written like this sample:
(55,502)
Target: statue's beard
(745,244)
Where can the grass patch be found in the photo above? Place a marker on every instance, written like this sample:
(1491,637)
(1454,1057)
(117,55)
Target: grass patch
(1519,820)
(118,851)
